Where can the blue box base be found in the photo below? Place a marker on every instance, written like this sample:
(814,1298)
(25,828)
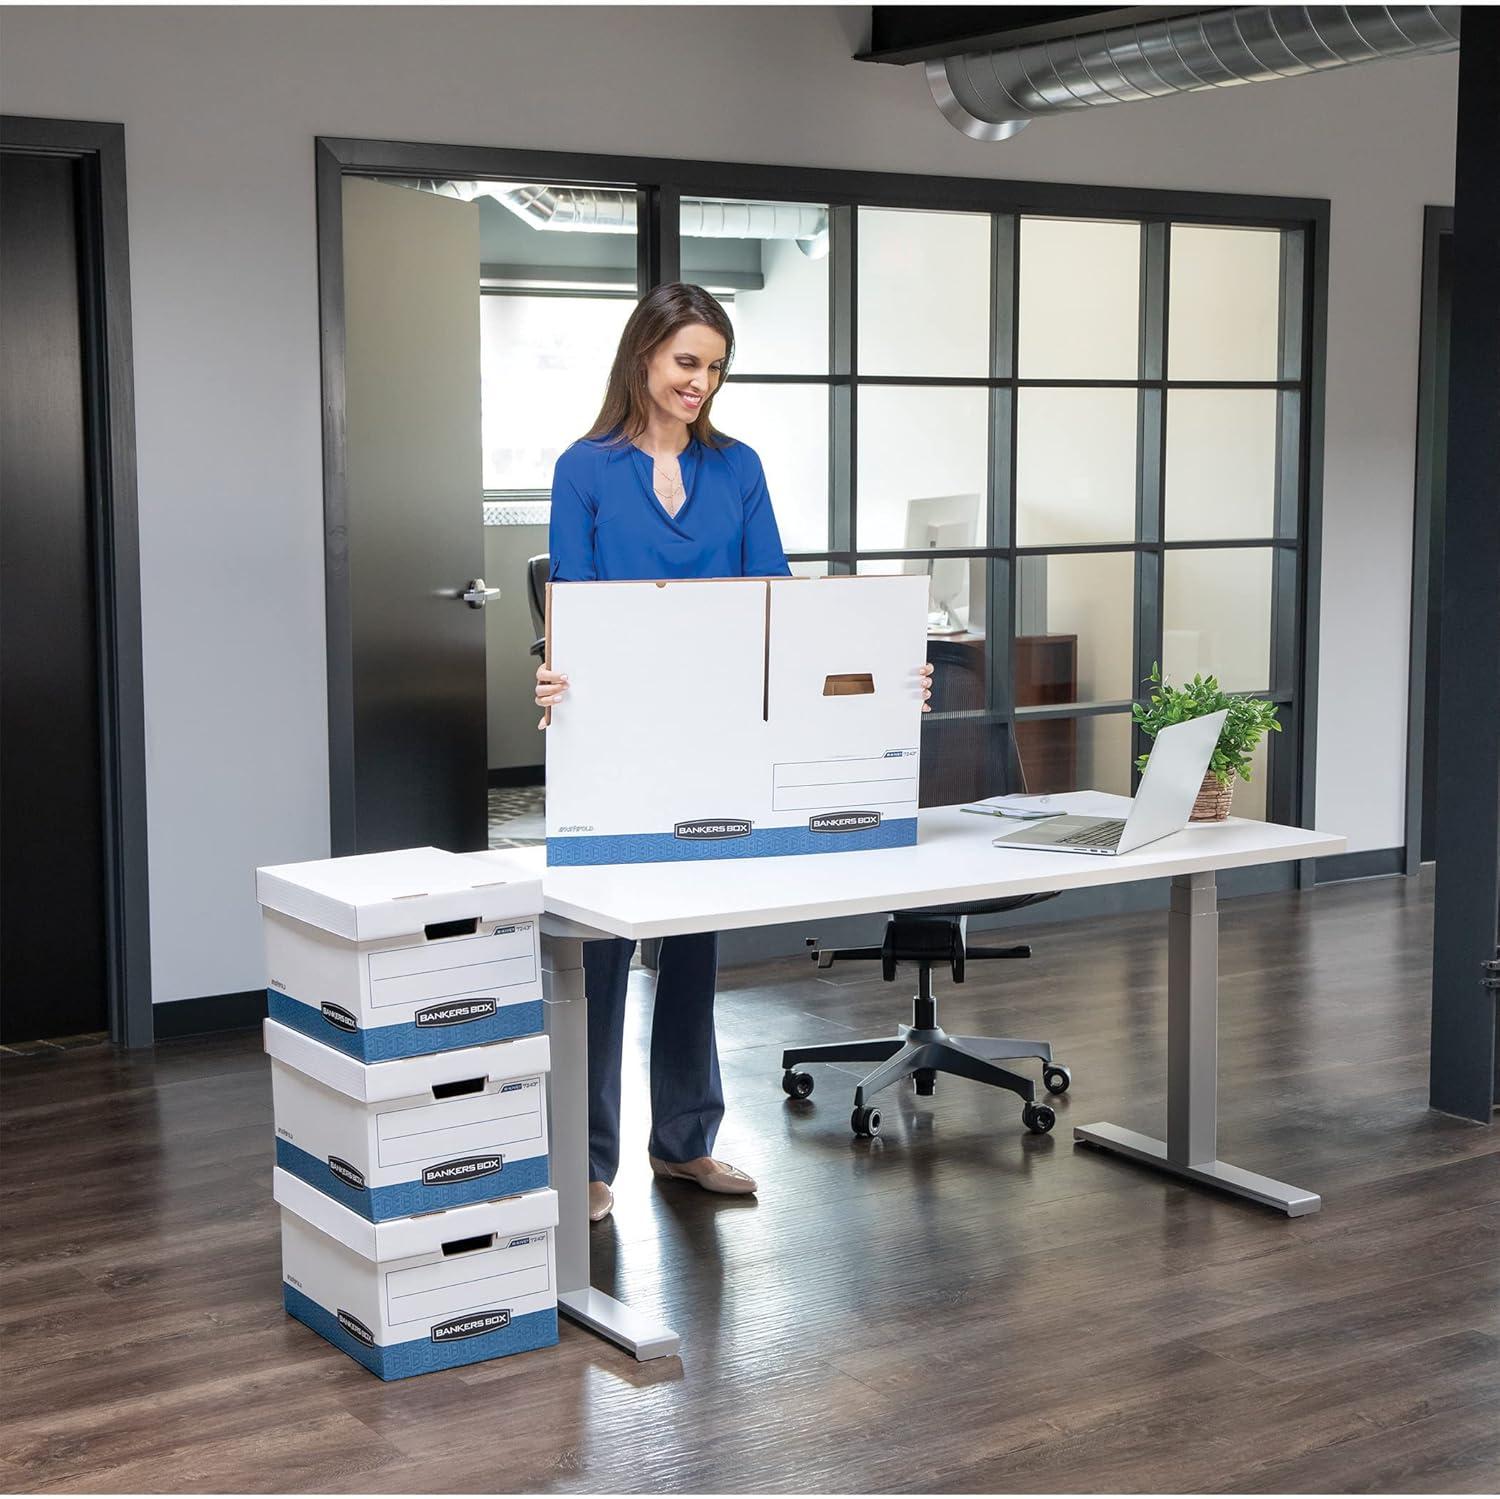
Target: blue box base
(402,1199)
(759,843)
(422,1356)
(388,1043)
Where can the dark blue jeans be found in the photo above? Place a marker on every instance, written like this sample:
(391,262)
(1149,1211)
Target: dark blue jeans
(687,1095)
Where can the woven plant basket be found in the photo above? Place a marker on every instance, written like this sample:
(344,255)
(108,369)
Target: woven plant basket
(1213,799)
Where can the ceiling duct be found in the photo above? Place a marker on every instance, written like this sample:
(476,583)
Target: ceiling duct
(610,210)
(992,95)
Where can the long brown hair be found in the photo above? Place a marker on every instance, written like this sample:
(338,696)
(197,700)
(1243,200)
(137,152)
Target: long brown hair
(658,315)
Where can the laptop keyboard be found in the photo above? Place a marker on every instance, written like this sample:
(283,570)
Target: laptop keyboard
(1097,835)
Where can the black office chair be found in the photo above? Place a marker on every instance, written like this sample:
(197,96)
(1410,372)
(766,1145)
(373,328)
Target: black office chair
(537,570)
(957,755)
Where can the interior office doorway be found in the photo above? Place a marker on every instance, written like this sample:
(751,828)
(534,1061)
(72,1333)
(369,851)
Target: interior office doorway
(73,891)
(1427,538)
(476,323)
(469,345)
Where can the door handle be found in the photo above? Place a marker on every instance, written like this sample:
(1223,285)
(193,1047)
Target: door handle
(476,595)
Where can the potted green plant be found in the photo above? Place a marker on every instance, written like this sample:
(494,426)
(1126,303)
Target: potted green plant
(1249,718)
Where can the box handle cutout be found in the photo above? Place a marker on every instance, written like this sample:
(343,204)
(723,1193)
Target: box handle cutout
(460,1089)
(849,684)
(465,926)
(468,1246)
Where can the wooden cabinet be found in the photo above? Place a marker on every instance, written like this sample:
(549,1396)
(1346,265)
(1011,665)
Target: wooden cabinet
(1047,673)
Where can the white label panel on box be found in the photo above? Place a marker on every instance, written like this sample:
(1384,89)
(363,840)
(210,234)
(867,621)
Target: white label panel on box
(873,780)
(465,965)
(470,1283)
(457,1125)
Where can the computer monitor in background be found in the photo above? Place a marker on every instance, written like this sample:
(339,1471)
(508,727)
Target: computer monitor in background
(946,522)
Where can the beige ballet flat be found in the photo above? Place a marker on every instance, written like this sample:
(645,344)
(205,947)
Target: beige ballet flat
(711,1175)
(601,1201)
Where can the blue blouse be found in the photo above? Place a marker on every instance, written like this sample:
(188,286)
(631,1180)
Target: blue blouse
(607,522)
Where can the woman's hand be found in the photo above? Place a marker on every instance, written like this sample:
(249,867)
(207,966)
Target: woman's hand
(926,675)
(550,687)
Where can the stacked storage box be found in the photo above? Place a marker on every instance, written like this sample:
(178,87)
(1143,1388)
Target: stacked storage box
(410,1102)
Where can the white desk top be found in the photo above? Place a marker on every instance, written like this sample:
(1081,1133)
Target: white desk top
(953,861)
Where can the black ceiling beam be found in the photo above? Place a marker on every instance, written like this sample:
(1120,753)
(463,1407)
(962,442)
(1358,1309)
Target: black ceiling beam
(913,33)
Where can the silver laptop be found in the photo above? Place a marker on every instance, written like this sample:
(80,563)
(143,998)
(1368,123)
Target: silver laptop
(1169,787)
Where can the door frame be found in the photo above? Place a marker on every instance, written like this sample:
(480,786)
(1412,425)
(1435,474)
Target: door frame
(660,182)
(109,414)
(1436,222)
(336,158)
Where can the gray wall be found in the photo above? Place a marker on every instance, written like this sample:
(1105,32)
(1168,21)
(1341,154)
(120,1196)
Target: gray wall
(220,107)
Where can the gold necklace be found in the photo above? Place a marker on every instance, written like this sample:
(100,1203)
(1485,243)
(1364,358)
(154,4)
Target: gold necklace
(674,487)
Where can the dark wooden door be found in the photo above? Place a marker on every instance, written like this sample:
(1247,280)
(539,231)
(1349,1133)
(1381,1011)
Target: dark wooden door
(415,510)
(52,904)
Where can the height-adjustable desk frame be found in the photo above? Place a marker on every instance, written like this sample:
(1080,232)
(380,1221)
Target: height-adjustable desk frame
(954,862)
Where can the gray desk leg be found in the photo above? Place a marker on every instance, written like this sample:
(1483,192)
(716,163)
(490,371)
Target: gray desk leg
(568,1115)
(1191,1147)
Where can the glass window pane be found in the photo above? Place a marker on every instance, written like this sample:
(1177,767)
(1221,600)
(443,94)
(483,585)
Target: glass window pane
(1075,466)
(543,364)
(520,247)
(1223,319)
(1076,754)
(1216,617)
(768,263)
(1250,796)
(1221,464)
(1074,626)
(924,293)
(1080,300)
(957,595)
(818,568)
(965,756)
(788,426)
(923,453)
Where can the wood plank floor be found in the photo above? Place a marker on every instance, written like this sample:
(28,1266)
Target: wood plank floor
(956,1306)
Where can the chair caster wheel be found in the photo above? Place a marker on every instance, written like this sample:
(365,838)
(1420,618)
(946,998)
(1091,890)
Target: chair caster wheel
(865,1123)
(797,1084)
(1057,1077)
(1038,1118)
(926,1080)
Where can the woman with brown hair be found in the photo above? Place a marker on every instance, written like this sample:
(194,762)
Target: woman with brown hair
(654,491)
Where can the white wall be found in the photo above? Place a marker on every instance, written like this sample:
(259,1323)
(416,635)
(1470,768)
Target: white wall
(220,108)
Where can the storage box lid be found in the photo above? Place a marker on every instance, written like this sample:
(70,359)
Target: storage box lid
(365,897)
(406,1077)
(427,1233)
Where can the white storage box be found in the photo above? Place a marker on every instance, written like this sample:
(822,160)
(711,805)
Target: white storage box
(801,734)
(411,1136)
(405,953)
(418,1294)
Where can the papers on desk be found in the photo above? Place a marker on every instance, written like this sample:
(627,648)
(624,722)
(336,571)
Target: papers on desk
(1018,808)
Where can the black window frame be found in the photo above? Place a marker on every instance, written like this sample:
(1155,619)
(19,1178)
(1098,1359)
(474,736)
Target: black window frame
(661,183)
